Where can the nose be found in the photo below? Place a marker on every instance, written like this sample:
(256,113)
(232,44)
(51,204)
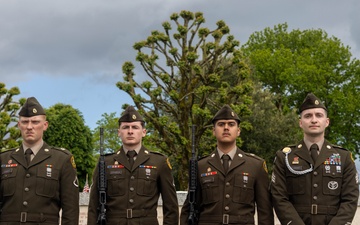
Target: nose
(29,125)
(313,119)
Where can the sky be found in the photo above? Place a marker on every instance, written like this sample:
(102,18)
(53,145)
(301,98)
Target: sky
(72,52)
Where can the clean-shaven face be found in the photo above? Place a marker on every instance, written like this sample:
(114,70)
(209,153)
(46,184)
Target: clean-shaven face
(131,133)
(314,121)
(32,129)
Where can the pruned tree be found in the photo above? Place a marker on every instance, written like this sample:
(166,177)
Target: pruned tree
(188,75)
(9,133)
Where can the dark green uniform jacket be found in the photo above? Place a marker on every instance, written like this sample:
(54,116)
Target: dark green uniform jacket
(322,194)
(132,195)
(231,198)
(36,194)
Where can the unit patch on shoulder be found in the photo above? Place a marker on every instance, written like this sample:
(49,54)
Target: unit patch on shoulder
(265,167)
(168,163)
(72,160)
(352,157)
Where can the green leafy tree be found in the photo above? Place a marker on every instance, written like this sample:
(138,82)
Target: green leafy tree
(9,133)
(111,140)
(67,130)
(270,129)
(191,72)
(291,64)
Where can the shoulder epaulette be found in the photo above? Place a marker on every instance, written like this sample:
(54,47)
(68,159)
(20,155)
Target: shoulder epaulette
(64,150)
(202,157)
(8,150)
(157,153)
(108,154)
(339,147)
(288,148)
(253,155)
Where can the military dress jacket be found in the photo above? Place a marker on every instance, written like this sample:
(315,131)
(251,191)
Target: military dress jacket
(321,193)
(35,194)
(132,194)
(231,198)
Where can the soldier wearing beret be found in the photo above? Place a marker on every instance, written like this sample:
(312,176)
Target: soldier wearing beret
(231,182)
(314,182)
(136,178)
(37,180)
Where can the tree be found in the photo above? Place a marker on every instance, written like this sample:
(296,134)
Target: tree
(270,129)
(291,64)
(9,134)
(111,140)
(189,77)
(67,130)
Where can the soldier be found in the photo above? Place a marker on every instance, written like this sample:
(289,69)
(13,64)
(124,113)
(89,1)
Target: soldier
(135,179)
(37,180)
(314,182)
(231,182)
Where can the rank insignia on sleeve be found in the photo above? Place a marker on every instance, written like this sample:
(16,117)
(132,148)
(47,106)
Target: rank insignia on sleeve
(168,163)
(72,160)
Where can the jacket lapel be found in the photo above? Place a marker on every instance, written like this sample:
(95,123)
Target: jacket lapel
(326,152)
(42,154)
(19,156)
(142,157)
(122,159)
(302,151)
(237,160)
(215,161)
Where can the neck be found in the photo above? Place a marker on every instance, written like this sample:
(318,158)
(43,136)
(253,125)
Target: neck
(314,139)
(226,147)
(132,147)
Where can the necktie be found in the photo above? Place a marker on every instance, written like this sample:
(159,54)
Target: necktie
(314,151)
(131,154)
(225,159)
(28,153)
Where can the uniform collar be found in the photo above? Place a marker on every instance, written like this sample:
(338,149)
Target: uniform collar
(34,148)
(309,143)
(231,153)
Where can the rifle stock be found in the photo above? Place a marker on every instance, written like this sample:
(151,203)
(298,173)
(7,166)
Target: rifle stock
(193,170)
(102,182)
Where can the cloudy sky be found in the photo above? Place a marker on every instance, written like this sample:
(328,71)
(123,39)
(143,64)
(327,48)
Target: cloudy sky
(72,52)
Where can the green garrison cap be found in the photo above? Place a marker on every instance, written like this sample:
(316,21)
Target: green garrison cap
(130,115)
(31,108)
(225,113)
(310,102)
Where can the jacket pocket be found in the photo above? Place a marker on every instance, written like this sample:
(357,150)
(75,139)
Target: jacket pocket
(332,179)
(146,183)
(116,182)
(243,189)
(47,181)
(8,181)
(295,183)
(210,189)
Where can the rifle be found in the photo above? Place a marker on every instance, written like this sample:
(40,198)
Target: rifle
(193,170)
(102,182)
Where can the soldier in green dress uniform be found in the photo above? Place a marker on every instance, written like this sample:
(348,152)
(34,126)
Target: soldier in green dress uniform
(37,180)
(136,177)
(314,182)
(232,184)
